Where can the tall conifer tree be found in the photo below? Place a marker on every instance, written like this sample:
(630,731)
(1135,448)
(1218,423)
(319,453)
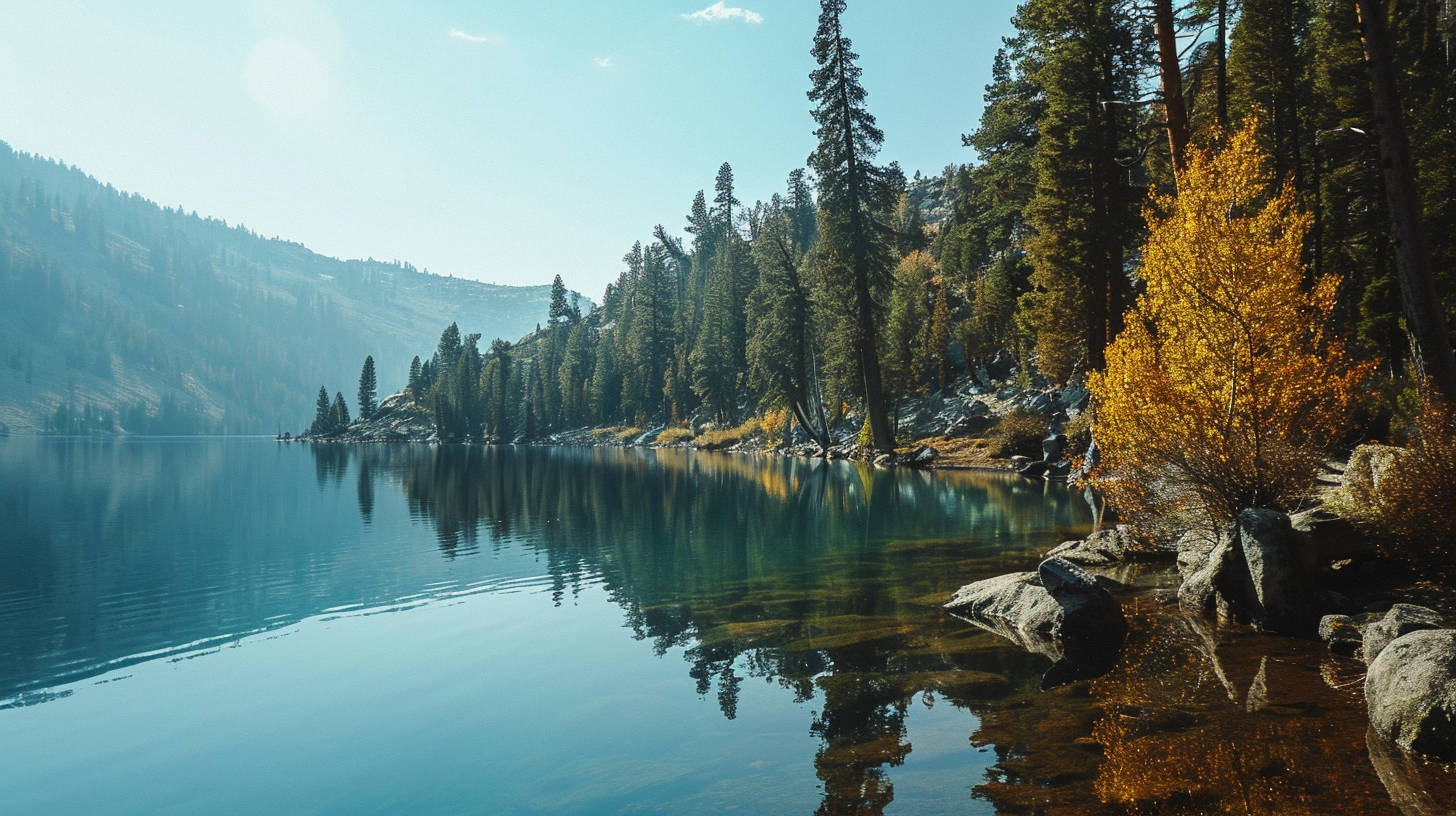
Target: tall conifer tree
(368,388)
(853,197)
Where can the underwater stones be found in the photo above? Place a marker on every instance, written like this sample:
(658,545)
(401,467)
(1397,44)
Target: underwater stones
(1411,692)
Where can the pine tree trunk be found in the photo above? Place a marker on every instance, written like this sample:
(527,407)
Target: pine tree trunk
(1222,46)
(1174,109)
(1430,339)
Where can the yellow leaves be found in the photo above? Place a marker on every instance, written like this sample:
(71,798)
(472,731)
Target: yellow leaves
(1225,387)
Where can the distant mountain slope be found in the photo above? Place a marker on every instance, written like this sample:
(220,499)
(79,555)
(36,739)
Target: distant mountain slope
(118,314)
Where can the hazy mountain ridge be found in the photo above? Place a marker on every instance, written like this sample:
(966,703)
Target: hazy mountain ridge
(128,316)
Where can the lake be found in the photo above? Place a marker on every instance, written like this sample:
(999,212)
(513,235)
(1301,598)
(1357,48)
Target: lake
(242,626)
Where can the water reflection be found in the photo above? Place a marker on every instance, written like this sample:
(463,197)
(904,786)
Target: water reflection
(824,579)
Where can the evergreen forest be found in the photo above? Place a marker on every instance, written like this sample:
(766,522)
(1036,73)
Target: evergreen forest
(857,288)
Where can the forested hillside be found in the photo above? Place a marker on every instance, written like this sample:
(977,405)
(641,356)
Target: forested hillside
(856,287)
(120,315)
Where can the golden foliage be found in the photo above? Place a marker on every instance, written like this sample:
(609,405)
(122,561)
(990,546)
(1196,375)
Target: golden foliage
(675,436)
(1227,386)
(774,423)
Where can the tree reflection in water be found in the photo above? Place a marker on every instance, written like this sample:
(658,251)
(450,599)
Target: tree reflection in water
(826,578)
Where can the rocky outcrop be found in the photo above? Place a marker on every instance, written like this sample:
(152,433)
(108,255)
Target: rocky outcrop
(1103,548)
(1341,634)
(1411,692)
(1060,610)
(1401,620)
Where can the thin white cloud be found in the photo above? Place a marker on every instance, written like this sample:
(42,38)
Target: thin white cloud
(718,12)
(483,39)
(603,62)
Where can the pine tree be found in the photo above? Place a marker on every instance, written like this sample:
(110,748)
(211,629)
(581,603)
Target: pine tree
(905,328)
(447,352)
(495,378)
(559,310)
(338,414)
(1084,210)
(416,384)
(780,351)
(853,196)
(368,389)
(1268,69)
(717,356)
(323,417)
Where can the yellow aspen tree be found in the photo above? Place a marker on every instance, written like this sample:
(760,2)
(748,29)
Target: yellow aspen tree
(1227,387)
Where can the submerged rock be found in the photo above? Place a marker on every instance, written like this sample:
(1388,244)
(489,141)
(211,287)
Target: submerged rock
(1411,692)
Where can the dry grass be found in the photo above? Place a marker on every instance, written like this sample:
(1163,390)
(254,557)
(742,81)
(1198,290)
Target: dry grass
(675,436)
(1408,495)
(718,439)
(960,452)
(616,433)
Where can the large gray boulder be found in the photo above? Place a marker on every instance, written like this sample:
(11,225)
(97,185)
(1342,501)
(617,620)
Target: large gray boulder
(1254,572)
(1411,693)
(1402,619)
(1060,611)
(1016,601)
(1282,600)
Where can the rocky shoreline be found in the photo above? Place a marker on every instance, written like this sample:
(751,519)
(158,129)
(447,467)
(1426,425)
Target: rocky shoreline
(1309,576)
(949,430)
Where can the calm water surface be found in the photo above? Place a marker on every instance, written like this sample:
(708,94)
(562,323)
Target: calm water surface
(239,626)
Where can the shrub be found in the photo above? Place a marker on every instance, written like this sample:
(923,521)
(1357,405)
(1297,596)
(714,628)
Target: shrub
(1408,495)
(774,424)
(1226,389)
(1018,432)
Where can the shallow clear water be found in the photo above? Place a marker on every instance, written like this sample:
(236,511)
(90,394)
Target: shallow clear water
(240,626)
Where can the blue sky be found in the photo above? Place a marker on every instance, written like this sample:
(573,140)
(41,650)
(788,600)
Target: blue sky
(502,141)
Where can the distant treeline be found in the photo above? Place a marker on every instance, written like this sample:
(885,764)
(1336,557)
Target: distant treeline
(858,286)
